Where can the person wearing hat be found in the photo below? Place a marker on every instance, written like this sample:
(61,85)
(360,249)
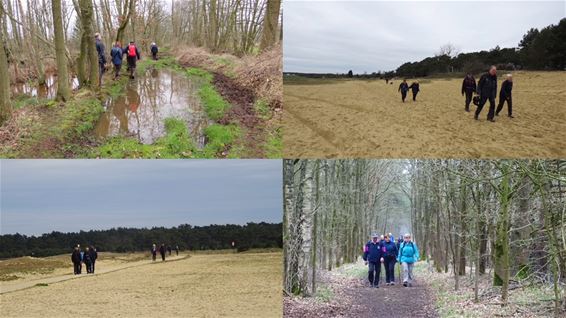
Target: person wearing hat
(154,49)
(408,256)
(101,57)
(133,55)
(415,89)
(373,257)
(505,96)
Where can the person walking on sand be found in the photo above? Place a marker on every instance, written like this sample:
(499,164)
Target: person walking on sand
(162,252)
(117,55)
(76,259)
(468,88)
(373,257)
(93,257)
(403,88)
(390,258)
(415,89)
(408,256)
(505,96)
(153,252)
(154,49)
(133,55)
(177,250)
(87,260)
(487,90)
(101,57)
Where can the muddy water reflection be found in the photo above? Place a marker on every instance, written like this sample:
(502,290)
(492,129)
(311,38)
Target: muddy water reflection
(48,90)
(148,100)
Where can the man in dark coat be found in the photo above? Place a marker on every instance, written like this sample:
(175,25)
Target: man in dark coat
(88,260)
(162,251)
(487,90)
(373,257)
(117,55)
(101,57)
(505,96)
(93,257)
(76,259)
(403,88)
(154,49)
(177,249)
(468,88)
(415,89)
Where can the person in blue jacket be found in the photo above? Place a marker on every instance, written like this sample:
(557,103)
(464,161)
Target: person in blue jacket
(117,55)
(390,258)
(373,257)
(408,256)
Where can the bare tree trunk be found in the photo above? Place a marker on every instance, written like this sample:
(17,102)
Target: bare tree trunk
(270,22)
(63,89)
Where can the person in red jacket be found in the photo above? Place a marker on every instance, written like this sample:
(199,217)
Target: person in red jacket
(133,55)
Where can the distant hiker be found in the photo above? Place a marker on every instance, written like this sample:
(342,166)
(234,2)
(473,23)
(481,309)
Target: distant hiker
(505,96)
(117,54)
(87,260)
(487,90)
(76,259)
(390,258)
(153,252)
(403,88)
(133,55)
(93,257)
(415,88)
(386,81)
(162,252)
(408,256)
(177,250)
(101,57)
(169,249)
(154,49)
(373,257)
(391,237)
(468,88)
(399,241)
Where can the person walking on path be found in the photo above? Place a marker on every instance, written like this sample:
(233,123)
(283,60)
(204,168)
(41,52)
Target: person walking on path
(505,96)
(169,250)
(101,58)
(87,260)
(468,88)
(76,259)
(117,54)
(162,252)
(403,88)
(177,250)
(415,89)
(487,90)
(153,252)
(93,257)
(133,55)
(390,258)
(408,256)
(373,257)
(154,49)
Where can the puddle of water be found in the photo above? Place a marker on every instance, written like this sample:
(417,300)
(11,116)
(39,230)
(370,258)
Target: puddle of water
(148,100)
(49,90)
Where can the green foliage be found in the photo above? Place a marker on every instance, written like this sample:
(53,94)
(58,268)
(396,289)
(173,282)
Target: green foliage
(274,144)
(324,294)
(214,105)
(79,117)
(165,62)
(219,138)
(262,109)
(200,73)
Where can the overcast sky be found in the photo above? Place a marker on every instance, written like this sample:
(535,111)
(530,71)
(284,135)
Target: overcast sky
(323,36)
(40,196)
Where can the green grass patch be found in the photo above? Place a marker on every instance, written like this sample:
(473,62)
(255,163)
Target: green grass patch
(165,62)
(214,105)
(262,109)
(200,73)
(79,117)
(274,144)
(21,101)
(219,137)
(324,294)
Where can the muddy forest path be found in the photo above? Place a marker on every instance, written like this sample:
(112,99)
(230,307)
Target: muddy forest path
(351,296)
(100,269)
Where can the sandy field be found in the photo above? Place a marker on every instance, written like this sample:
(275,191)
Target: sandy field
(343,118)
(215,285)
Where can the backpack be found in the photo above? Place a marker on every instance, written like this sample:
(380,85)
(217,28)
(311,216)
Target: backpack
(132,50)
(405,244)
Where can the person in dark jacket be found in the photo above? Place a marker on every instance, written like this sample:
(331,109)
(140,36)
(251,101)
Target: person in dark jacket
(505,96)
(468,88)
(403,88)
(93,257)
(101,57)
(373,257)
(169,250)
(177,250)
(415,88)
(389,259)
(154,49)
(76,259)
(117,54)
(133,55)
(162,251)
(487,90)
(87,260)
(153,252)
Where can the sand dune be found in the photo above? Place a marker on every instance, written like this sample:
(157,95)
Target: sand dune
(366,119)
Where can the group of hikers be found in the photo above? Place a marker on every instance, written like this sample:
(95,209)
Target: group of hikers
(117,53)
(162,250)
(88,257)
(486,90)
(385,250)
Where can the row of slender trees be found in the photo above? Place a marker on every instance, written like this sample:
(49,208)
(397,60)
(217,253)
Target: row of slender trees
(505,218)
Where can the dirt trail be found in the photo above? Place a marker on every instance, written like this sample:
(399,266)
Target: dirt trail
(352,297)
(6,287)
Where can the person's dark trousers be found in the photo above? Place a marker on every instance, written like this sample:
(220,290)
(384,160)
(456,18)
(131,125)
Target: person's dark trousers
(154,56)
(80,267)
(163,256)
(101,70)
(132,65)
(153,256)
(403,96)
(92,268)
(374,273)
(117,68)
(415,96)
(88,268)
(509,106)
(491,112)
(77,268)
(469,95)
(389,269)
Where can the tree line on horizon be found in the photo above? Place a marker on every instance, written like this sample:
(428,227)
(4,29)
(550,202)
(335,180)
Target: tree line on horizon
(121,239)
(543,49)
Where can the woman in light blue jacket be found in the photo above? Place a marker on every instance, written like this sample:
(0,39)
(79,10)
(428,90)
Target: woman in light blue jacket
(408,256)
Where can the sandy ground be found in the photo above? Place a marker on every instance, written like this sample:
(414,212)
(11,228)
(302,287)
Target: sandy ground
(367,119)
(219,285)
